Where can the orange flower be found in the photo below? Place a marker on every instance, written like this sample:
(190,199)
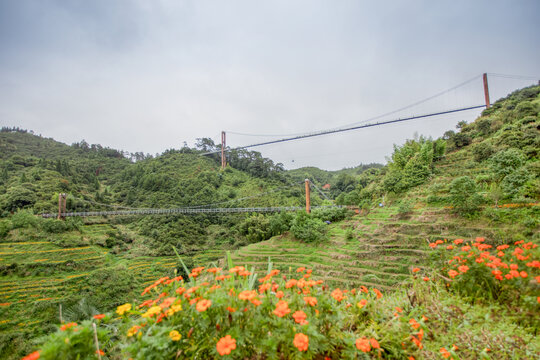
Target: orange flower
(463,268)
(425,278)
(453,273)
(300,317)
(415,270)
(32,356)
(414,324)
(337,294)
(237,269)
(465,248)
(458,241)
(282,308)
(301,342)
(290,283)
(523,274)
(363,344)
(230,309)
(279,294)
(67,326)
(225,345)
(309,300)
(362,303)
(378,293)
(300,269)
(99,316)
(449,247)
(203,305)
(432,245)
(247,294)
(445,353)
(374,343)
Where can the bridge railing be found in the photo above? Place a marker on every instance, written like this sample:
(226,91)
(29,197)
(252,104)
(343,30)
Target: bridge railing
(186,211)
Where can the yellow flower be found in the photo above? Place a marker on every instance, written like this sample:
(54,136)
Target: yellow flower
(175,335)
(123,308)
(152,311)
(174,309)
(133,330)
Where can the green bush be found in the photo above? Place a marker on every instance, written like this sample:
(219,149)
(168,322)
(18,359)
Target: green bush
(513,182)
(506,162)
(464,196)
(24,219)
(482,151)
(5,226)
(256,228)
(308,228)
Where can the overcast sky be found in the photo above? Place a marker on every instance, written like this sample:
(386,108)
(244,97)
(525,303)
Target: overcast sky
(149,75)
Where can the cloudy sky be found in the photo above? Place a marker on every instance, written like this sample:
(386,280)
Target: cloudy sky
(148,75)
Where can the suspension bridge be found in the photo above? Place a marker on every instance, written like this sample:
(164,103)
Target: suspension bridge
(211,208)
(198,209)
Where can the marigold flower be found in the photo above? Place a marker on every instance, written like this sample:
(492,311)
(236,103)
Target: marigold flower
(337,294)
(415,270)
(32,356)
(282,308)
(378,293)
(152,311)
(523,274)
(203,305)
(214,270)
(175,335)
(414,324)
(290,283)
(237,269)
(449,247)
(300,317)
(225,345)
(374,343)
(465,248)
(438,242)
(300,269)
(502,247)
(363,345)
(453,273)
(99,316)
(458,241)
(513,266)
(361,303)
(432,245)
(247,295)
(279,294)
(68,326)
(230,309)
(445,353)
(425,278)
(122,309)
(311,301)
(463,268)
(301,342)
(133,330)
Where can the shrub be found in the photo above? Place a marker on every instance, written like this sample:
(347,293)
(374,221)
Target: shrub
(256,228)
(308,228)
(464,196)
(5,227)
(482,151)
(505,162)
(24,219)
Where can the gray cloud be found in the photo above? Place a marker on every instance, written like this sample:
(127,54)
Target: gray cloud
(139,75)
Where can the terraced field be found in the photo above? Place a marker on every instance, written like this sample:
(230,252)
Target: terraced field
(378,249)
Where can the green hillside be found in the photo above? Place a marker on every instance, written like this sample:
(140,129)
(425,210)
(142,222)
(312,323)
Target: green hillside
(480,181)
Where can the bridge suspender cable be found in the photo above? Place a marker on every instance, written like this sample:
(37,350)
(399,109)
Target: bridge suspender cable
(334,131)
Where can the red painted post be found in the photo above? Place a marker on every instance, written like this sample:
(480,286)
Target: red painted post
(308,205)
(59,206)
(486,91)
(223,159)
